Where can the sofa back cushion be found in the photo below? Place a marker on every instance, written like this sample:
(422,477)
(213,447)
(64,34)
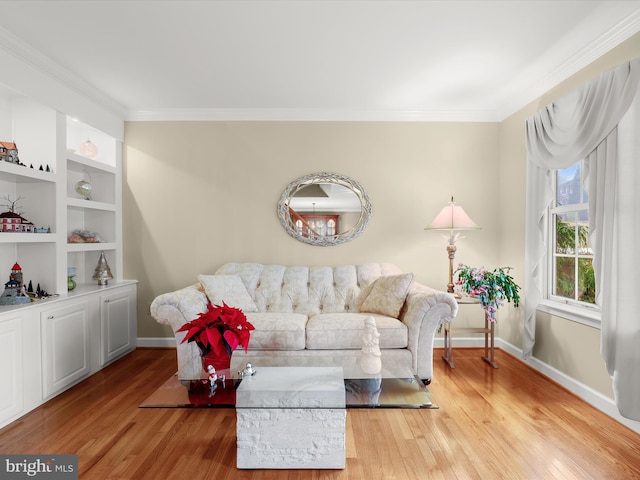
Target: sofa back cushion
(308,290)
(285,331)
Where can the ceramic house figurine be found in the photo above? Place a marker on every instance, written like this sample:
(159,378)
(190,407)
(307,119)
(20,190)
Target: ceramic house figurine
(12,222)
(14,290)
(9,152)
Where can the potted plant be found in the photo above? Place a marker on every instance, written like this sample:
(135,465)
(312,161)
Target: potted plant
(218,332)
(492,288)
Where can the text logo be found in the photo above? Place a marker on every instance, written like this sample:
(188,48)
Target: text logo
(50,467)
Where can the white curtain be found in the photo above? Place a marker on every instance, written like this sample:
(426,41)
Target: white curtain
(595,122)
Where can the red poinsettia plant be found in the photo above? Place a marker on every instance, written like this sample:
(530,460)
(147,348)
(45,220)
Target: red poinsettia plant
(219,330)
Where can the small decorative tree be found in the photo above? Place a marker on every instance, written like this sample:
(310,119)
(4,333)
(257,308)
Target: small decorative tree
(12,205)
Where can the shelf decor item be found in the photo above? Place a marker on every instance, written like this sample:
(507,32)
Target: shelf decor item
(71,283)
(218,332)
(490,287)
(88,149)
(102,272)
(11,221)
(9,152)
(84,188)
(15,292)
(84,236)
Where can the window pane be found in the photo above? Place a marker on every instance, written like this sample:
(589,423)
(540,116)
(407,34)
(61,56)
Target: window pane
(568,185)
(565,277)
(566,233)
(586,281)
(583,234)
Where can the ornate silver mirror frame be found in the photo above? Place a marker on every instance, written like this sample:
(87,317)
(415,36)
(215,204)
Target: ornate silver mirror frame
(324,209)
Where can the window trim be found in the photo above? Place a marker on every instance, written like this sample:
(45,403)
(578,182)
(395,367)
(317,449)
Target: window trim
(583,314)
(570,309)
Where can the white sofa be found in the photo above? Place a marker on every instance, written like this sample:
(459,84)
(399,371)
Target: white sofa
(311,316)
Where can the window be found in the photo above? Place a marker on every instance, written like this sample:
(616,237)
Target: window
(570,275)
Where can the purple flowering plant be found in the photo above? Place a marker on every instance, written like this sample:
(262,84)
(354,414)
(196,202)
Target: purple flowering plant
(492,288)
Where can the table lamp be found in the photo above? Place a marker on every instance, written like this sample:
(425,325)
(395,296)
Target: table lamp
(452,218)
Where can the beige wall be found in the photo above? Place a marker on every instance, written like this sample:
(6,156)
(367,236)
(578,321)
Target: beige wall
(572,348)
(199,194)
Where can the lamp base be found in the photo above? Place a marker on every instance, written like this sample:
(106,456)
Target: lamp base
(451,251)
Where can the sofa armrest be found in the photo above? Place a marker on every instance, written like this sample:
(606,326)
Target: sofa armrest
(175,309)
(179,307)
(424,311)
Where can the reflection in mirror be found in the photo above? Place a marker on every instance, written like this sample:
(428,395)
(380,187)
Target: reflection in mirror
(324,209)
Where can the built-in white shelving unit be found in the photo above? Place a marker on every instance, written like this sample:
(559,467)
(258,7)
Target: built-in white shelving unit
(50,140)
(101,214)
(48,345)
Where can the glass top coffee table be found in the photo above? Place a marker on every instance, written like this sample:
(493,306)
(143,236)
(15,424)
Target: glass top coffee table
(384,390)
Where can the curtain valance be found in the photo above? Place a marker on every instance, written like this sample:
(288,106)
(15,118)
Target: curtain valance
(567,130)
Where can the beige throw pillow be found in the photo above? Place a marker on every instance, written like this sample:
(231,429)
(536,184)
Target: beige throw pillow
(228,289)
(387,295)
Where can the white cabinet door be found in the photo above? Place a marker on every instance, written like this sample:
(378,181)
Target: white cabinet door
(65,346)
(118,323)
(11,371)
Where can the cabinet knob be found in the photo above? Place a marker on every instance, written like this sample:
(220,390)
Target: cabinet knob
(50,317)
(107,301)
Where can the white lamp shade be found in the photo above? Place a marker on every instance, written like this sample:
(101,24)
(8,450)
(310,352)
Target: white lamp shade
(452,217)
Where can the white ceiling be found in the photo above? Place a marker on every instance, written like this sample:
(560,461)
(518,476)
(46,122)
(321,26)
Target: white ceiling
(315,60)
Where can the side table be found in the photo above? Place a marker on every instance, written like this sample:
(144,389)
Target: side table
(488,331)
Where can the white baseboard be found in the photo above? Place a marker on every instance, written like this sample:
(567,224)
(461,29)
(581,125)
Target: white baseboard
(156,342)
(586,393)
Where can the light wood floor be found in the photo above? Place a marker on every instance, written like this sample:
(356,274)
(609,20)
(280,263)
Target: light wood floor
(509,423)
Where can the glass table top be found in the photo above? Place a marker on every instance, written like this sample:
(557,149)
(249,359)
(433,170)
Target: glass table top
(369,392)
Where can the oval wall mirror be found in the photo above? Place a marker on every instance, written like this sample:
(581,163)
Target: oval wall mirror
(324,209)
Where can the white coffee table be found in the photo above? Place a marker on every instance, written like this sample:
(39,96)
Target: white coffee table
(291,418)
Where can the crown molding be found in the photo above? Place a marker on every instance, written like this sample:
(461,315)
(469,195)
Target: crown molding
(512,103)
(311,115)
(613,37)
(40,62)
(524,95)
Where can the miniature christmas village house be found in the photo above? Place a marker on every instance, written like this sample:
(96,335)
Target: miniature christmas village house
(9,152)
(14,290)
(12,222)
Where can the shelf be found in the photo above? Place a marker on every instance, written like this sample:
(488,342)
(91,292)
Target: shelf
(78,163)
(90,204)
(93,287)
(10,172)
(8,237)
(90,247)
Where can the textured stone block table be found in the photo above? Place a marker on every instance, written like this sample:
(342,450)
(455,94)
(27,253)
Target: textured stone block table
(291,417)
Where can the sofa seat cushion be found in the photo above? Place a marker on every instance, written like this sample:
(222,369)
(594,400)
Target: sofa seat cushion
(277,331)
(335,331)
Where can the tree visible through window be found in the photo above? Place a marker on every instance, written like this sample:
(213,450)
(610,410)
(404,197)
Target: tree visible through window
(571,268)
